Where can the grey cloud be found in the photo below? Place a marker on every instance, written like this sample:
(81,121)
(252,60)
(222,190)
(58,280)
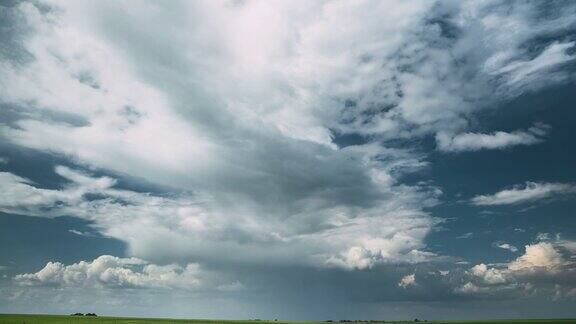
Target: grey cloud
(197,229)
(247,164)
(240,121)
(407,281)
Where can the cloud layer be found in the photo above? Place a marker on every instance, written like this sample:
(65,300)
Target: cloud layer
(196,229)
(286,146)
(257,139)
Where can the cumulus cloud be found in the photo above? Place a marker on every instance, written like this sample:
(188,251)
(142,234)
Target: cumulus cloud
(545,268)
(108,271)
(497,140)
(488,275)
(529,192)
(407,281)
(544,255)
(399,247)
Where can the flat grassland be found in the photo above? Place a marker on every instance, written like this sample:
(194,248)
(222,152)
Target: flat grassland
(53,319)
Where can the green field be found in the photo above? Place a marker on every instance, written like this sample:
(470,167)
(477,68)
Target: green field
(53,319)
(33,319)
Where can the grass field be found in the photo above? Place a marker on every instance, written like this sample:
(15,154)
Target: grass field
(53,319)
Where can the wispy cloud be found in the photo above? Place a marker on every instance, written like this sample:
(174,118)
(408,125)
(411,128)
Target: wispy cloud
(497,140)
(465,235)
(529,192)
(80,233)
(506,246)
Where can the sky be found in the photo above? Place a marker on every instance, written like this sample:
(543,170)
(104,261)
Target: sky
(288,159)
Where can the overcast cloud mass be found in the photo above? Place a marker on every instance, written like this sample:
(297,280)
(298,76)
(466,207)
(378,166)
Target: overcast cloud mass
(288,159)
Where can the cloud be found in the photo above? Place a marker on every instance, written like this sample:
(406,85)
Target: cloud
(546,268)
(465,235)
(242,123)
(543,255)
(497,140)
(488,275)
(112,272)
(407,281)
(521,73)
(247,149)
(531,191)
(77,232)
(399,247)
(191,227)
(232,287)
(506,246)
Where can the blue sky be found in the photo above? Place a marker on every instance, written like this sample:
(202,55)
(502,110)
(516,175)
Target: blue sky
(295,160)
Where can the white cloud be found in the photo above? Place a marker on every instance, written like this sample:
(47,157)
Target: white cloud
(468,288)
(407,281)
(540,255)
(543,236)
(402,246)
(489,275)
(530,192)
(545,268)
(465,235)
(497,140)
(112,272)
(522,73)
(77,232)
(506,246)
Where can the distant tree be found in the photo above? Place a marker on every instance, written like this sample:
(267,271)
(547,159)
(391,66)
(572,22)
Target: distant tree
(90,314)
(77,314)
